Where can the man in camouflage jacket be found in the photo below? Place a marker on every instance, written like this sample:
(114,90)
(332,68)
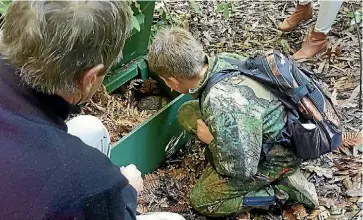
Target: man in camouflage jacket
(238,117)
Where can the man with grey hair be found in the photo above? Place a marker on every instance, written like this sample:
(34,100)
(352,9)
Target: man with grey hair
(55,54)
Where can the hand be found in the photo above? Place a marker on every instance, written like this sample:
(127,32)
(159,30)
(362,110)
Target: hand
(134,177)
(203,132)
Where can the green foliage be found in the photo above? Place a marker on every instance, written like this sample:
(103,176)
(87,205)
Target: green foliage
(135,23)
(166,18)
(136,10)
(226,8)
(4,6)
(195,6)
(355,16)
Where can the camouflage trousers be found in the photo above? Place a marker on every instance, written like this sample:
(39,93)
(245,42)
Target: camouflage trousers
(218,196)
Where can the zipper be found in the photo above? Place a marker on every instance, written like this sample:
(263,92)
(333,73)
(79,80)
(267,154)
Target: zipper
(314,102)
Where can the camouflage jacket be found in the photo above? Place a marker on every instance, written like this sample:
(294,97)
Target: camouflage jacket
(241,114)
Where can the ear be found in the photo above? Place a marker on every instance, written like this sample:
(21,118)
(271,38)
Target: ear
(89,77)
(174,80)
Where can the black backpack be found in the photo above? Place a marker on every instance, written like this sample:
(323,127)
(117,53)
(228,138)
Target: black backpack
(305,100)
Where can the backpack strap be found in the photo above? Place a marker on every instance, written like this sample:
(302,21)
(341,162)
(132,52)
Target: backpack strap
(214,79)
(223,74)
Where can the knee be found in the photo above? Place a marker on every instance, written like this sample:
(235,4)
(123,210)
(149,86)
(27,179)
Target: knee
(88,123)
(193,199)
(88,128)
(197,200)
(160,216)
(171,216)
(215,201)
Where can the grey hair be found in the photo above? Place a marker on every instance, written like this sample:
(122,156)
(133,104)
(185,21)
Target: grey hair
(174,52)
(53,42)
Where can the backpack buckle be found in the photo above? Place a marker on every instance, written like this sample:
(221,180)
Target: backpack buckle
(310,86)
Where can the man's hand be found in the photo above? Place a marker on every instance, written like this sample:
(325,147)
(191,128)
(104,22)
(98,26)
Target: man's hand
(203,132)
(134,177)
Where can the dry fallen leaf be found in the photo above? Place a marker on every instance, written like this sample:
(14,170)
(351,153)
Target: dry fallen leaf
(320,171)
(351,139)
(294,212)
(314,214)
(118,111)
(353,95)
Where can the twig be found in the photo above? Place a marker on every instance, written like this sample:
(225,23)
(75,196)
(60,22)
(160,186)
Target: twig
(360,56)
(168,12)
(356,214)
(283,10)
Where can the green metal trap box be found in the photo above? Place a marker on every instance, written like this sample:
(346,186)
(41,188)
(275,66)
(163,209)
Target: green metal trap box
(148,144)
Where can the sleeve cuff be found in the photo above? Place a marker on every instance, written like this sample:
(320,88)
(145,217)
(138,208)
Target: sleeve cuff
(130,197)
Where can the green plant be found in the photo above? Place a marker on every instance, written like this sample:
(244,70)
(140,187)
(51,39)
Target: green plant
(135,22)
(195,6)
(355,16)
(164,17)
(226,7)
(4,6)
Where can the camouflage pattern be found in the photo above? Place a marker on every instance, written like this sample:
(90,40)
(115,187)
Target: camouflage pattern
(216,196)
(241,115)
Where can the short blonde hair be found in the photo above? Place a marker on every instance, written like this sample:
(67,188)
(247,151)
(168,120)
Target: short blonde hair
(53,42)
(174,52)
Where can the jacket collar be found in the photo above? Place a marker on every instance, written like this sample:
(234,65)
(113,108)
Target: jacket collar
(19,99)
(196,91)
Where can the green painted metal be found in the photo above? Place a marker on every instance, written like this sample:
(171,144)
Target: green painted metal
(144,70)
(147,145)
(126,73)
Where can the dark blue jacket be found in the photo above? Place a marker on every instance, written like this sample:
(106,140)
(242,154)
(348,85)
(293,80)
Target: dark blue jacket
(45,173)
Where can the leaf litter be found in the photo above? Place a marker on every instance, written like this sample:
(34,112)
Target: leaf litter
(122,111)
(252,27)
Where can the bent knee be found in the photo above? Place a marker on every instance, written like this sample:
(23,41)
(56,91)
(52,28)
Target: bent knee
(160,216)
(206,202)
(89,129)
(86,123)
(193,198)
(199,201)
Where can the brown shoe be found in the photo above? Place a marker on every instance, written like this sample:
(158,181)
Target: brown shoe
(314,43)
(302,12)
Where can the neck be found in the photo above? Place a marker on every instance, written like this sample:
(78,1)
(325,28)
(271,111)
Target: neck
(203,72)
(71,99)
